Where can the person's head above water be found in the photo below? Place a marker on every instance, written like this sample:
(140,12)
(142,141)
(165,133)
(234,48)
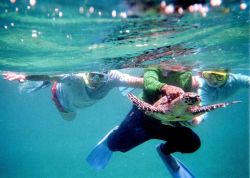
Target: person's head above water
(215,78)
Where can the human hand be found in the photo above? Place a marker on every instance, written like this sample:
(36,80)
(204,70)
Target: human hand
(197,120)
(14,76)
(171,91)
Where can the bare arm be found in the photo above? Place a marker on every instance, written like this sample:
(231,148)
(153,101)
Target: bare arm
(22,77)
(197,120)
(14,76)
(136,82)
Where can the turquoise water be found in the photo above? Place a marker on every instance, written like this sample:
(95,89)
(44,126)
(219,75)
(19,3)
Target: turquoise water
(36,142)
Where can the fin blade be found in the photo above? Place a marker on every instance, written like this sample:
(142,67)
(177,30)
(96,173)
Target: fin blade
(99,157)
(181,172)
(101,154)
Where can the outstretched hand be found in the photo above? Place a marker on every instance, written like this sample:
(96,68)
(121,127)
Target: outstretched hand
(172,91)
(14,76)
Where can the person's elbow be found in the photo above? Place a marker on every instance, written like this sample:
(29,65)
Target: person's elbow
(197,120)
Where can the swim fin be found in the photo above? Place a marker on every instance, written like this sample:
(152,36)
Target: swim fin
(176,168)
(101,154)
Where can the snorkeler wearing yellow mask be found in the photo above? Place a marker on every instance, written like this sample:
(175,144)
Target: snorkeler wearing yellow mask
(71,92)
(218,85)
(215,78)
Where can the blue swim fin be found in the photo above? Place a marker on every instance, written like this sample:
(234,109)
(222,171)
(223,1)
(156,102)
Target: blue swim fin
(176,168)
(101,154)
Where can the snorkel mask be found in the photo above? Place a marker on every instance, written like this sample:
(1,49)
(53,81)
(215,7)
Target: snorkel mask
(95,79)
(215,78)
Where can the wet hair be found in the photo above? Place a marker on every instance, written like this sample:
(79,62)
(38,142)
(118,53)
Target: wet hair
(174,67)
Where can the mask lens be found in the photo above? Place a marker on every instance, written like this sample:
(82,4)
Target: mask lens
(96,77)
(101,76)
(220,77)
(91,75)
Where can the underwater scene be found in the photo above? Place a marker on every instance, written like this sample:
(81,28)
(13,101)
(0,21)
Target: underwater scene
(50,51)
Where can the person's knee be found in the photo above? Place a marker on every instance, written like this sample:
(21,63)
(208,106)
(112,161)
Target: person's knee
(117,141)
(192,141)
(120,149)
(117,147)
(194,145)
(114,142)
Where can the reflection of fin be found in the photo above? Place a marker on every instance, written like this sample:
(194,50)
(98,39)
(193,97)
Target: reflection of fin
(125,90)
(176,168)
(32,86)
(101,154)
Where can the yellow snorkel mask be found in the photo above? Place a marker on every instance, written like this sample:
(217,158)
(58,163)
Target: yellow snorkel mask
(215,78)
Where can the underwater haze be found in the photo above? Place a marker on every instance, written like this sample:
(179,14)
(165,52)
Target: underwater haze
(69,36)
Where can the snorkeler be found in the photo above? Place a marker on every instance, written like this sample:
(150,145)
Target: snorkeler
(218,85)
(74,91)
(138,127)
